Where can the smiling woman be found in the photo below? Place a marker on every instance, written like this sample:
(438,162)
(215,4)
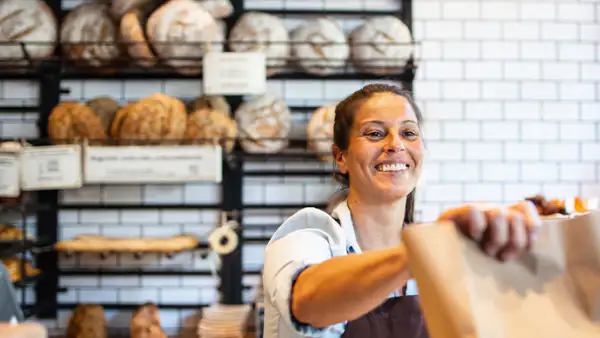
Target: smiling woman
(344,273)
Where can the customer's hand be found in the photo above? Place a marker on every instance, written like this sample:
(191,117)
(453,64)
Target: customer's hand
(505,233)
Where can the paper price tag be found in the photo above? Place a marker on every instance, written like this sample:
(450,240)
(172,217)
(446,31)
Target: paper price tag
(9,174)
(51,167)
(229,73)
(152,164)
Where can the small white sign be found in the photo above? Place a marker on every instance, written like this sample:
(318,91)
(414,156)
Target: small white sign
(232,73)
(152,164)
(51,167)
(9,174)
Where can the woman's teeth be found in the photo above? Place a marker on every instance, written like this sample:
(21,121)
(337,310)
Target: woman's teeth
(392,167)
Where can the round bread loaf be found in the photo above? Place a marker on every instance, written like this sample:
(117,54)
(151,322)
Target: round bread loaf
(145,322)
(73,121)
(132,33)
(208,126)
(181,32)
(31,22)
(320,46)
(87,321)
(115,127)
(262,32)
(381,45)
(157,119)
(319,132)
(219,9)
(264,123)
(215,102)
(89,35)
(118,8)
(106,109)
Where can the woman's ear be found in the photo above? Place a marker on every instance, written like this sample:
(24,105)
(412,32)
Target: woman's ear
(340,158)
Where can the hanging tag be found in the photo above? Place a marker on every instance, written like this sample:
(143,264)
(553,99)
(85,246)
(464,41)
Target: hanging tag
(51,167)
(9,174)
(233,73)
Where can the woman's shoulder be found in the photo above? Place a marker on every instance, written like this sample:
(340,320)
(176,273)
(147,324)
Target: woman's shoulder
(312,220)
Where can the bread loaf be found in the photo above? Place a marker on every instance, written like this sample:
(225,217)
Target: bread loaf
(155,119)
(23,330)
(118,8)
(89,34)
(320,46)
(87,321)
(31,22)
(319,132)
(262,32)
(219,9)
(73,121)
(145,322)
(184,29)
(262,118)
(13,266)
(133,35)
(101,244)
(115,127)
(381,45)
(106,109)
(216,102)
(208,126)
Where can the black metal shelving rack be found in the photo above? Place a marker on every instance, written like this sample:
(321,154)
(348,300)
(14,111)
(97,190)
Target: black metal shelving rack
(231,273)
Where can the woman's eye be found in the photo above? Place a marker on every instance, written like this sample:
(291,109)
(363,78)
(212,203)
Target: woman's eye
(375,134)
(410,134)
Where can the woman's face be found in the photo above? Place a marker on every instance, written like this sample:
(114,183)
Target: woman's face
(385,150)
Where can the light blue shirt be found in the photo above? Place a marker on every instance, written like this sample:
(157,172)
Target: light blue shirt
(308,237)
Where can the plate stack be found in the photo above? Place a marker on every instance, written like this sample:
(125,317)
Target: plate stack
(224,321)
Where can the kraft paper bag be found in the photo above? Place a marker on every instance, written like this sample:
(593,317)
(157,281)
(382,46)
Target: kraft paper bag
(551,292)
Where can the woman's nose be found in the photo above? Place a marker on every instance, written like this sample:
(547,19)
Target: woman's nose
(394,145)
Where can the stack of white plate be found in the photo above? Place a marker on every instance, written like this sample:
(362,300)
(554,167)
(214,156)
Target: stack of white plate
(224,321)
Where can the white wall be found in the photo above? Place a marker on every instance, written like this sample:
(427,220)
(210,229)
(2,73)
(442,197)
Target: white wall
(509,90)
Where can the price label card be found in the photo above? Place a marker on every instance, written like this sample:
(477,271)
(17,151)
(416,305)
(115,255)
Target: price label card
(51,167)
(9,174)
(230,73)
(152,164)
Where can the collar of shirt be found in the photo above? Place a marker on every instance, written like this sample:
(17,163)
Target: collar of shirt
(342,213)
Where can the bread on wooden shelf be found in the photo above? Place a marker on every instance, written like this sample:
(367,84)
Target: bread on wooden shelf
(102,244)
(118,8)
(13,266)
(216,102)
(145,322)
(73,121)
(133,35)
(87,321)
(23,330)
(264,124)
(89,36)
(320,46)
(219,9)
(184,29)
(31,22)
(156,119)
(262,32)
(106,108)
(381,45)
(209,126)
(319,131)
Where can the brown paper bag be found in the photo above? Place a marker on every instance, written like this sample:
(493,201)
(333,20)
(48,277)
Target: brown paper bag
(551,292)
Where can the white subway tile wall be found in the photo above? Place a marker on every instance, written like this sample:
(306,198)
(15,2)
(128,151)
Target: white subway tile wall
(509,91)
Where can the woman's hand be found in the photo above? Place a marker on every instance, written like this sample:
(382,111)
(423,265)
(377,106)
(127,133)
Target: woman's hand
(505,233)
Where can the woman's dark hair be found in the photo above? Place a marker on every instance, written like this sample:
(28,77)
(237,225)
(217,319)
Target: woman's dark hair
(344,119)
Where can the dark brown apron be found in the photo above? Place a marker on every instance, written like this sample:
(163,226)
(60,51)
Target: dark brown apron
(398,317)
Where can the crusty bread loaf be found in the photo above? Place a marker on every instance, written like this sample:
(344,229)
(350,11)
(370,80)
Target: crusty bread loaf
(219,9)
(118,8)
(105,108)
(208,126)
(256,32)
(115,127)
(381,45)
(216,102)
(156,119)
(102,244)
(319,131)
(87,321)
(145,322)
(320,46)
(73,121)
(134,37)
(13,266)
(181,32)
(31,22)
(264,123)
(89,35)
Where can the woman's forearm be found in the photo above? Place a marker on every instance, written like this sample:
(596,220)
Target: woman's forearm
(346,287)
